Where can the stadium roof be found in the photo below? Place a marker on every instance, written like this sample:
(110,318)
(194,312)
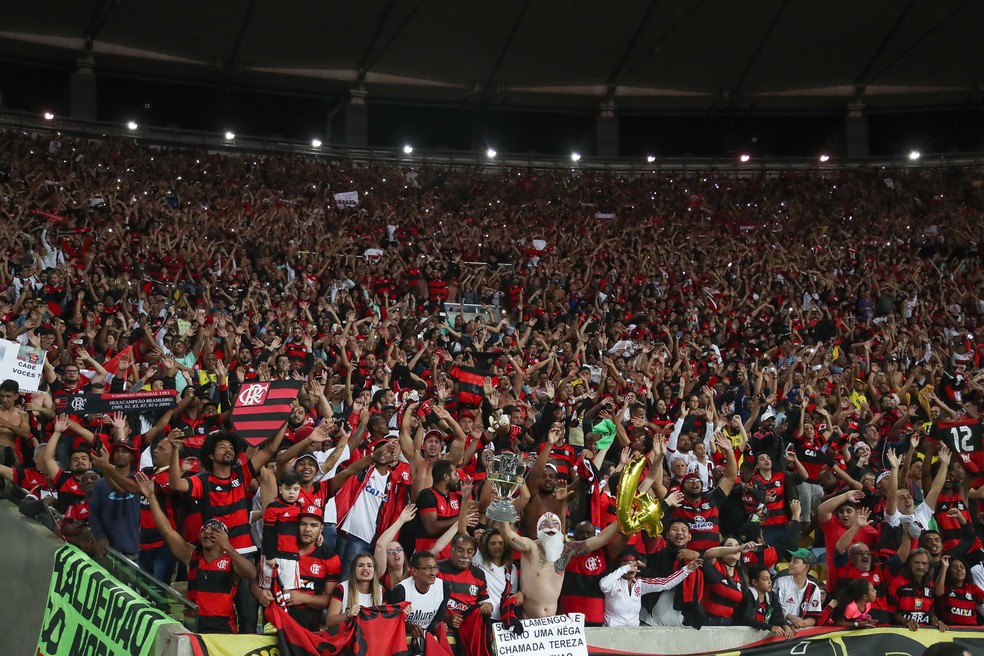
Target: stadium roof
(649,55)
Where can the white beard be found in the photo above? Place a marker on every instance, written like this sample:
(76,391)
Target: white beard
(552,545)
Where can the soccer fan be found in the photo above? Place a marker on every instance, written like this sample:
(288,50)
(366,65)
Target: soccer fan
(215,568)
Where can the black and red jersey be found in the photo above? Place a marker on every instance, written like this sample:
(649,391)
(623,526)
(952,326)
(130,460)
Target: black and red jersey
(951,530)
(562,457)
(212,586)
(958,606)
(912,601)
(78,512)
(69,490)
(319,495)
(468,587)
(444,506)
(225,499)
(318,569)
(775,509)
(702,518)
(281,521)
(722,592)
(813,458)
(965,437)
(150,536)
(581,591)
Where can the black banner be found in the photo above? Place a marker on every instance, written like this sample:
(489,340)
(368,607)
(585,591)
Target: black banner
(126,402)
(820,642)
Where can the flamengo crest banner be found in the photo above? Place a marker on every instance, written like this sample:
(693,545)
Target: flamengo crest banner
(24,364)
(126,402)
(262,408)
(90,612)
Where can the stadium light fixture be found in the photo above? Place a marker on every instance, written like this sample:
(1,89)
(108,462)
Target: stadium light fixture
(490,153)
(744,157)
(575,157)
(825,158)
(316,143)
(408,149)
(48,116)
(230,135)
(131,125)
(651,158)
(914,155)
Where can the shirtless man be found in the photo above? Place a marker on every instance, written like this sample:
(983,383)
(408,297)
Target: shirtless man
(424,450)
(14,424)
(545,559)
(546,494)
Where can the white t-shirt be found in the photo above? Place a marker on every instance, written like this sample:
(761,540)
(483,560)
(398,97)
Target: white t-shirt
(424,606)
(365,598)
(921,515)
(495,581)
(361,519)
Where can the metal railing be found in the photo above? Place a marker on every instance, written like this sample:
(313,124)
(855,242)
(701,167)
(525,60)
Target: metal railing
(158,594)
(173,137)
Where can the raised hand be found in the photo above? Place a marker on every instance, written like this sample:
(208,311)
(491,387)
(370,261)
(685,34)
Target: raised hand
(61,423)
(408,513)
(146,485)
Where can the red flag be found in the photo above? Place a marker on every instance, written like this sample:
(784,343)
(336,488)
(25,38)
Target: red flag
(262,408)
(470,384)
(112,365)
(377,631)
(438,645)
(475,633)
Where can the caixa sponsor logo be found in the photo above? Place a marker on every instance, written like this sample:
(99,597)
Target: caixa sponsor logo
(379,494)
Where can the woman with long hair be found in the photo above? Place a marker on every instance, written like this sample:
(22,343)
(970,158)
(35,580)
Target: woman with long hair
(725,583)
(958,598)
(495,559)
(854,603)
(362,590)
(391,561)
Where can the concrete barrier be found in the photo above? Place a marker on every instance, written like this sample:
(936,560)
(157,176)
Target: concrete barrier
(27,552)
(671,640)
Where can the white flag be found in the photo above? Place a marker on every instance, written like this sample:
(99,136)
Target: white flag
(347,199)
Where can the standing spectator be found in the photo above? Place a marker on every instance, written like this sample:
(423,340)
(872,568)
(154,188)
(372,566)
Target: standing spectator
(623,589)
(359,590)
(215,568)
(438,507)
(428,596)
(467,588)
(114,511)
(910,595)
(280,530)
(961,603)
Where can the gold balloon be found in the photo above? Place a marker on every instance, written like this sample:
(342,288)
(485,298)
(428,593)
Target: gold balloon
(636,512)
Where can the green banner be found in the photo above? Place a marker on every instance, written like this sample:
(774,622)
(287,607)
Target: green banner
(90,612)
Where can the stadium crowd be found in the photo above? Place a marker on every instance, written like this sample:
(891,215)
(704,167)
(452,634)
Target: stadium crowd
(797,356)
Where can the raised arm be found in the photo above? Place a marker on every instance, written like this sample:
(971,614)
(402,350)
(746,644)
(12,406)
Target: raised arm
(389,535)
(516,541)
(181,549)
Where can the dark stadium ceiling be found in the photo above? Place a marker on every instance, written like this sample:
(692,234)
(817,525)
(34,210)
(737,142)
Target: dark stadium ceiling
(649,55)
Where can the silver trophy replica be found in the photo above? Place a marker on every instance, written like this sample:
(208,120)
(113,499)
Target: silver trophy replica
(507,472)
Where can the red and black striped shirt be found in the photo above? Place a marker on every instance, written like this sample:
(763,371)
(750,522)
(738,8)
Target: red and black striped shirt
(211,585)
(225,499)
(280,529)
